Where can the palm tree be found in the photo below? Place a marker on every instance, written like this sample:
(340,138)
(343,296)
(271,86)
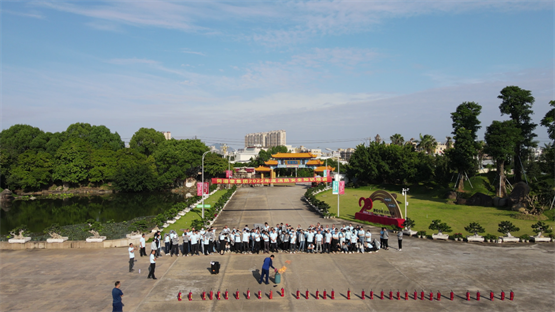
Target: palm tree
(426,143)
(397,139)
(449,142)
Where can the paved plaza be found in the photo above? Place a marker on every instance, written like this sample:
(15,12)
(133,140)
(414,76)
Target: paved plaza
(81,279)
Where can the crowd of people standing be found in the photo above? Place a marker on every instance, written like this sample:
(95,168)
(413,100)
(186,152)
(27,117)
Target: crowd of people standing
(264,238)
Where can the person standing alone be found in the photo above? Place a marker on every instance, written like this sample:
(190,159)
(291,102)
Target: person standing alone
(117,294)
(131,257)
(266,269)
(400,240)
(152,265)
(142,246)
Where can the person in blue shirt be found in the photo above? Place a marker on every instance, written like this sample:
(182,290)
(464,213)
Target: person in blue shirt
(266,269)
(116,295)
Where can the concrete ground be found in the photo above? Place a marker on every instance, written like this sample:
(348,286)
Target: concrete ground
(61,280)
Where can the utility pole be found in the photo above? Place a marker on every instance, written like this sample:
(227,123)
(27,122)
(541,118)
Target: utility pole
(338,180)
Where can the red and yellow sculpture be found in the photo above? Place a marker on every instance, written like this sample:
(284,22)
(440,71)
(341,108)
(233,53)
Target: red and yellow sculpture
(391,216)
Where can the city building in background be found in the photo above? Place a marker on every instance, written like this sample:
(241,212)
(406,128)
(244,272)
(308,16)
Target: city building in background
(265,139)
(167,135)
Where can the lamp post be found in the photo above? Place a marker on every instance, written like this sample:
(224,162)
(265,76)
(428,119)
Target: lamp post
(228,169)
(405,191)
(203,182)
(338,179)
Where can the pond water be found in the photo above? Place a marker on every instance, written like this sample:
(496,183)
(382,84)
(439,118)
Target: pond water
(41,213)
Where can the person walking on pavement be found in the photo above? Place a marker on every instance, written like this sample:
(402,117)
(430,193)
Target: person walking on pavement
(117,294)
(400,240)
(142,246)
(131,256)
(266,269)
(152,265)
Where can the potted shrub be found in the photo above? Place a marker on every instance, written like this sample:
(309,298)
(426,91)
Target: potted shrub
(408,224)
(524,238)
(539,228)
(17,235)
(94,227)
(55,234)
(437,225)
(506,227)
(474,227)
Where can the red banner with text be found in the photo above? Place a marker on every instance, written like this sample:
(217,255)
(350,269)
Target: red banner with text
(270,181)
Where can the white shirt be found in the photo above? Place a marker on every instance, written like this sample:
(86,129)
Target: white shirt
(152,258)
(328,238)
(142,244)
(273,237)
(310,237)
(194,239)
(131,252)
(368,236)
(319,237)
(167,239)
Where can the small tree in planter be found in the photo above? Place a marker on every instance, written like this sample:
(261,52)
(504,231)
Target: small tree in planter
(506,227)
(17,235)
(540,228)
(55,232)
(94,228)
(437,225)
(138,227)
(408,224)
(475,228)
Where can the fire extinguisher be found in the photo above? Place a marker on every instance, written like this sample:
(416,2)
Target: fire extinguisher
(237,294)
(271,295)
(226,295)
(363,295)
(317,294)
(390,294)
(325,294)
(348,294)
(491,295)
(298,294)
(406,294)
(511,295)
(282,292)
(248,293)
(307,293)
(398,295)
(452,295)
(190,296)
(204,295)
(259,294)
(467,295)
(371,294)
(438,295)
(478,295)
(211,294)
(218,295)
(502,295)
(332,294)
(179,296)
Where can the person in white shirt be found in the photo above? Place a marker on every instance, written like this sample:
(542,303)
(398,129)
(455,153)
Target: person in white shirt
(194,243)
(131,257)
(257,241)
(142,246)
(327,241)
(293,241)
(238,242)
(368,237)
(167,244)
(266,239)
(273,241)
(152,265)
(319,238)
(245,239)
(335,241)
(353,246)
(185,250)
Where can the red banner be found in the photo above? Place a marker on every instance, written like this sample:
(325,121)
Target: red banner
(269,180)
(206,188)
(199,188)
(228,174)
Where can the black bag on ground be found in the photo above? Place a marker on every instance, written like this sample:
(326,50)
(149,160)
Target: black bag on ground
(215,267)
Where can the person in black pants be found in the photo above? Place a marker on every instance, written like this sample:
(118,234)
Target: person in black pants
(152,265)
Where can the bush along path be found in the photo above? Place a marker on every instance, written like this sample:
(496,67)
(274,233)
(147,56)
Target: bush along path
(193,216)
(319,205)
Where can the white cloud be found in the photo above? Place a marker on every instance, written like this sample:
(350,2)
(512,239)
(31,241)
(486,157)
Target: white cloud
(275,23)
(32,14)
(188,51)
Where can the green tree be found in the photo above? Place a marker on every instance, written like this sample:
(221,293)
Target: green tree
(135,172)
(461,156)
(397,139)
(72,162)
(517,103)
(437,225)
(448,142)
(427,143)
(475,228)
(541,227)
(17,139)
(548,121)
(214,165)
(146,140)
(98,136)
(501,138)
(103,165)
(506,227)
(466,116)
(33,170)
(465,126)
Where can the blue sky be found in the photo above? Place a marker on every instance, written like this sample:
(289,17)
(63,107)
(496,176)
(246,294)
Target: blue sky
(330,73)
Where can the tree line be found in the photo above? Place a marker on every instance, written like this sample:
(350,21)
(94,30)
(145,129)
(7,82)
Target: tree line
(90,155)
(509,143)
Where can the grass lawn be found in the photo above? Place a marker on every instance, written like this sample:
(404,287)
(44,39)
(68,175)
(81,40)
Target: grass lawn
(426,205)
(185,221)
